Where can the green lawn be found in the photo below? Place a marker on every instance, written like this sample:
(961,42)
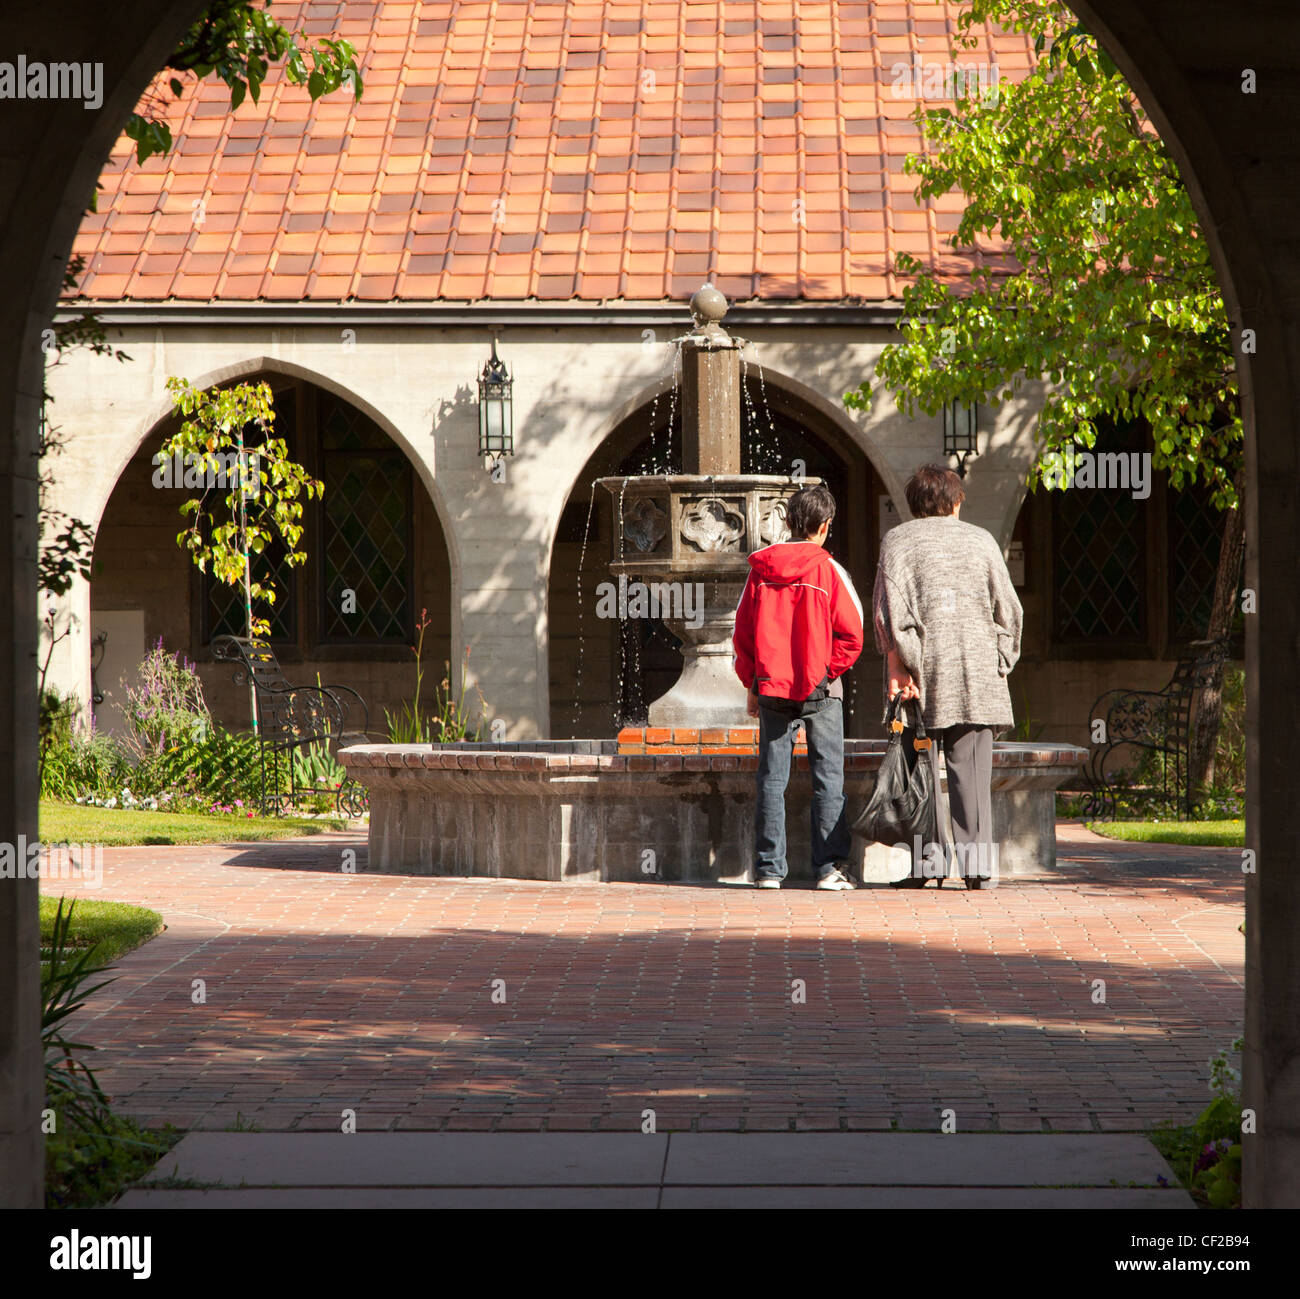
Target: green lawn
(1211,834)
(73,823)
(112,928)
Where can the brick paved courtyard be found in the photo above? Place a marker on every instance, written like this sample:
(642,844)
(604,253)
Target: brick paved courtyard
(329,991)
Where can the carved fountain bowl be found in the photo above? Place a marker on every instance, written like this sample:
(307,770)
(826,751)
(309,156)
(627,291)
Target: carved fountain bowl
(697,525)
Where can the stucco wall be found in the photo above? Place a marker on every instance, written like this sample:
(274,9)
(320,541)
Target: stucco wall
(572,385)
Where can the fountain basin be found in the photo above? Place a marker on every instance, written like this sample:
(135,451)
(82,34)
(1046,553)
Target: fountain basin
(699,529)
(579,811)
(697,525)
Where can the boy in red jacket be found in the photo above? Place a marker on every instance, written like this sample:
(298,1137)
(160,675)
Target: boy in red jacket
(798,630)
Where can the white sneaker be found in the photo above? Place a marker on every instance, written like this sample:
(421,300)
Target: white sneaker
(836,880)
(768,883)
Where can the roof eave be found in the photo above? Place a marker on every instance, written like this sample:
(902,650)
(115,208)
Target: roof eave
(619,312)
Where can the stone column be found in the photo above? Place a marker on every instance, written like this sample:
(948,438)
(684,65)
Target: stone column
(710,409)
(54,151)
(21,1073)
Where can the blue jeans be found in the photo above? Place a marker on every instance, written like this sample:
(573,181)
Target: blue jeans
(823,721)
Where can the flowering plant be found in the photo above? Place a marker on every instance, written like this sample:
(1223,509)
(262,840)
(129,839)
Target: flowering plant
(165,705)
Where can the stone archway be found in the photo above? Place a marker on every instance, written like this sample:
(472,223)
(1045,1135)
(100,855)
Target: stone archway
(44,189)
(145,588)
(790,420)
(1185,59)
(91,471)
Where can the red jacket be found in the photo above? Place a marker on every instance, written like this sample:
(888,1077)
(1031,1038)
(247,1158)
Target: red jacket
(799,621)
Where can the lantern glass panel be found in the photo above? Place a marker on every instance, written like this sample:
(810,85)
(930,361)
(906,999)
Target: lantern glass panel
(960,423)
(494,415)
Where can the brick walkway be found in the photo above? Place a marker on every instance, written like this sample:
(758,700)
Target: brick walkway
(329,991)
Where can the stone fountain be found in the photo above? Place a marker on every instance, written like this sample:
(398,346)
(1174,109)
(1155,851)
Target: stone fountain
(672,801)
(700,526)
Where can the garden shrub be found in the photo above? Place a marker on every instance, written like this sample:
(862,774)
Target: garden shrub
(78,761)
(172,756)
(1206,1154)
(214,764)
(165,706)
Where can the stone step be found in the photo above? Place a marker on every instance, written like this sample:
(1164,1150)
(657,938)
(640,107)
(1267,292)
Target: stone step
(678,1170)
(652,1197)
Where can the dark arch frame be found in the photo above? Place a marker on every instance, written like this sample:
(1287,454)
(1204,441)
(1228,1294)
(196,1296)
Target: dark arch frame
(1183,59)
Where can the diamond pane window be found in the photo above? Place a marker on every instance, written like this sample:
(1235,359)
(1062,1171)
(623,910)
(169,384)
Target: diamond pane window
(225,604)
(1099,565)
(1100,560)
(1195,537)
(366,545)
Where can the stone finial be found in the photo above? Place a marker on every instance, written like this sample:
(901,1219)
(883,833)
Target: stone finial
(708,306)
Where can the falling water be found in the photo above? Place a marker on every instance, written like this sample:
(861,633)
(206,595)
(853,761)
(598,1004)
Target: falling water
(582,563)
(622,639)
(750,434)
(672,402)
(635,636)
(774,447)
(674,372)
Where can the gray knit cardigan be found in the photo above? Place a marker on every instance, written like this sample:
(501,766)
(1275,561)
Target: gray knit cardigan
(944,600)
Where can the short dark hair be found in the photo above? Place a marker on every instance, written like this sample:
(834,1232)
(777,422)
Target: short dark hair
(933,490)
(808,509)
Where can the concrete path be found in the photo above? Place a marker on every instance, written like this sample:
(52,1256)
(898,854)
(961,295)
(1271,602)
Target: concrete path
(668,1171)
(286,991)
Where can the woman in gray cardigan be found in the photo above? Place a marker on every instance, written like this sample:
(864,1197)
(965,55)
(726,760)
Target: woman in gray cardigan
(948,620)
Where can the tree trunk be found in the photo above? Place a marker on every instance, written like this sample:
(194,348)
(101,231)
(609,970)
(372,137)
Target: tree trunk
(1209,707)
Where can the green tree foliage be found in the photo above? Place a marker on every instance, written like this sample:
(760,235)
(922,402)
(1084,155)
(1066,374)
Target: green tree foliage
(251,487)
(1094,280)
(239,41)
(1091,280)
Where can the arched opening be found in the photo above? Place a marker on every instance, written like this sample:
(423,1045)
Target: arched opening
(376,559)
(605,673)
(1116,590)
(1247,222)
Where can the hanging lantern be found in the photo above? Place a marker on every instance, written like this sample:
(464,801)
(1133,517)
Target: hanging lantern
(960,432)
(496,436)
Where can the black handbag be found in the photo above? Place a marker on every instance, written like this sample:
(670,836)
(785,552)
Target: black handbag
(903,806)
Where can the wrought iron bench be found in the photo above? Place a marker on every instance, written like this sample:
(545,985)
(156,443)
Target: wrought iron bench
(295,720)
(1159,721)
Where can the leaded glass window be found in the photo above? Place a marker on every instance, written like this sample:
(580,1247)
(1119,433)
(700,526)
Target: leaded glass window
(226,614)
(223,605)
(1195,537)
(366,518)
(1099,544)
(1100,576)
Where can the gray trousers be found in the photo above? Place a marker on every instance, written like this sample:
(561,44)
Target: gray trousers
(968,752)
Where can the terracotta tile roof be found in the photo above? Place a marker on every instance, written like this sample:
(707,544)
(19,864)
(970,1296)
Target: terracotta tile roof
(511,150)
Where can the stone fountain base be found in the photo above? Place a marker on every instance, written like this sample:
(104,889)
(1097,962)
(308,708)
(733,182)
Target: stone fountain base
(697,531)
(578,811)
